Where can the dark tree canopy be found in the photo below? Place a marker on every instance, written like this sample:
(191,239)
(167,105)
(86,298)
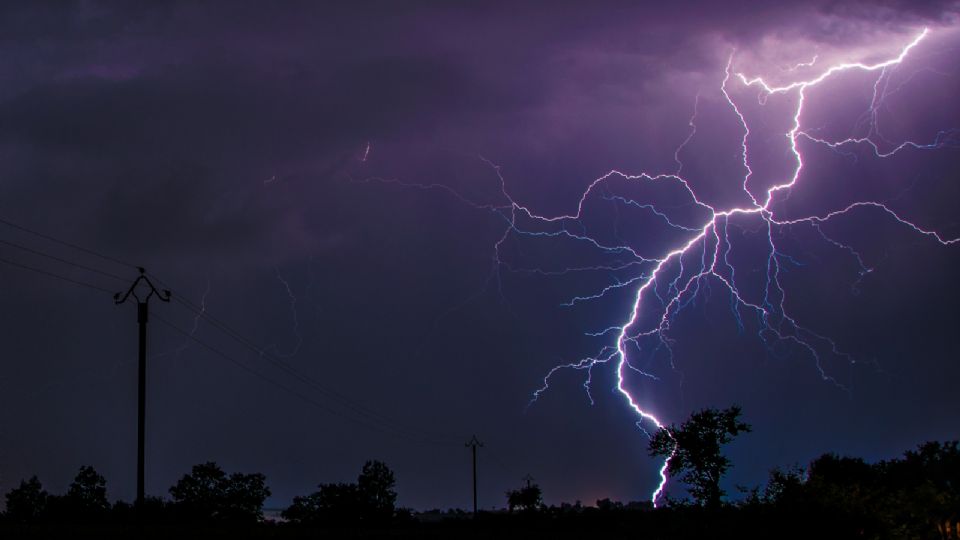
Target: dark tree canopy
(376,485)
(526,499)
(927,481)
(371,500)
(331,503)
(26,503)
(207,493)
(916,496)
(85,500)
(88,491)
(202,491)
(695,448)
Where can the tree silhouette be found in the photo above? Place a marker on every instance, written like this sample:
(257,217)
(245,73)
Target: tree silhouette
(245,496)
(207,493)
(201,493)
(924,489)
(376,490)
(940,464)
(371,500)
(88,492)
(85,500)
(785,487)
(28,502)
(694,450)
(332,503)
(846,492)
(303,510)
(916,496)
(606,505)
(526,499)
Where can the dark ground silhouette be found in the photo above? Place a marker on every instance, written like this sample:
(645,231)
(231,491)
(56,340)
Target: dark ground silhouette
(916,496)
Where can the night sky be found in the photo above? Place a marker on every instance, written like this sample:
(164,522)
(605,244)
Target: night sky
(353,189)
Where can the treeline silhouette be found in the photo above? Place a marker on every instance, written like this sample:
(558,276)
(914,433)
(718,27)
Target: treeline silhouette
(916,496)
(205,495)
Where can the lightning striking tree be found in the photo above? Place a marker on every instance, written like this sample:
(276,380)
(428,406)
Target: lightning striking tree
(701,240)
(694,450)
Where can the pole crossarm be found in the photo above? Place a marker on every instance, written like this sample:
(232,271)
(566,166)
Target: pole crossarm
(163,295)
(474,443)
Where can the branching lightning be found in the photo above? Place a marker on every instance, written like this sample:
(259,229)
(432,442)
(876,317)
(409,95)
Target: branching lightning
(196,320)
(295,318)
(664,283)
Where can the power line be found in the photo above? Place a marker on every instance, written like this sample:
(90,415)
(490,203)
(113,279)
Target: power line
(383,428)
(62,260)
(54,275)
(355,407)
(344,401)
(290,370)
(500,462)
(65,243)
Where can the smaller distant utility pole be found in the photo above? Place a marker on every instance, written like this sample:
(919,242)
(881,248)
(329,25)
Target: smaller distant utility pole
(473,444)
(147,290)
(528,479)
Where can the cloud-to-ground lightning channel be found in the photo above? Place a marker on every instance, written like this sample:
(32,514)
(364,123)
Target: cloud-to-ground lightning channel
(670,280)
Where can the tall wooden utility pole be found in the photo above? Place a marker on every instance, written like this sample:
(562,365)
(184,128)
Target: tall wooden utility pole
(147,290)
(473,444)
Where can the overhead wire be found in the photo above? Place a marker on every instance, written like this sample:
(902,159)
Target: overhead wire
(369,416)
(62,260)
(306,379)
(326,408)
(292,371)
(55,275)
(72,245)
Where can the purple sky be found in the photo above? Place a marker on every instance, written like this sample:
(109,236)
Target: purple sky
(321,178)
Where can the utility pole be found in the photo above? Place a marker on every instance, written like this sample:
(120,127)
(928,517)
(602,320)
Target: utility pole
(528,479)
(473,444)
(143,297)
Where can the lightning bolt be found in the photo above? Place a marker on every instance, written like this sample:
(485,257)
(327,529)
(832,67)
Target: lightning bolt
(274,348)
(196,320)
(666,283)
(178,351)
